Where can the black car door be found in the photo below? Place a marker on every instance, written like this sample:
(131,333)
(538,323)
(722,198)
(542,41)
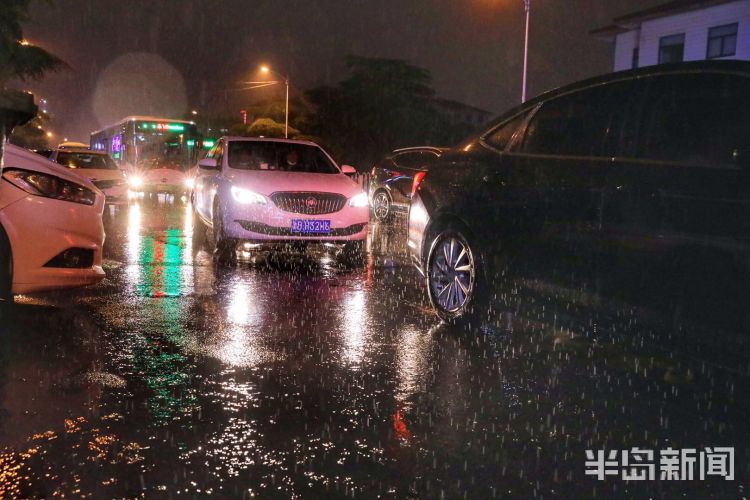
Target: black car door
(566,152)
(680,196)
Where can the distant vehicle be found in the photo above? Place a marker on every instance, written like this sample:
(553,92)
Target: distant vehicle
(161,176)
(43,152)
(96,166)
(392,178)
(275,191)
(51,232)
(71,144)
(636,183)
(136,141)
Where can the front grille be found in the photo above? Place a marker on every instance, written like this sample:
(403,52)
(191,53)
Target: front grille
(259,227)
(309,203)
(108,184)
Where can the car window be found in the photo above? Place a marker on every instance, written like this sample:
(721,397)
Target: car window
(500,137)
(578,124)
(413,159)
(290,157)
(700,119)
(86,160)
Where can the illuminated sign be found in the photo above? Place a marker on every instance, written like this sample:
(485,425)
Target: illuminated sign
(164,127)
(208,143)
(190,142)
(116,143)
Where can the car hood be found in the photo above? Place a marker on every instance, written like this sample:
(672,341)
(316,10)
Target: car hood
(96,174)
(268,182)
(17,157)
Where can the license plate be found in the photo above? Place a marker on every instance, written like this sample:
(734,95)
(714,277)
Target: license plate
(311,226)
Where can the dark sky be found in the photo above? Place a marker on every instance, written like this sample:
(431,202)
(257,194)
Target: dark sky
(171,56)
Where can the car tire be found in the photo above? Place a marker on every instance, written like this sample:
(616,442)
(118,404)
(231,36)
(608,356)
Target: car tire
(454,277)
(224,248)
(353,253)
(382,208)
(6,268)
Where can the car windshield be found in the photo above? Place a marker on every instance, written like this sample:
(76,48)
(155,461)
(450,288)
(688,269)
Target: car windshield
(289,157)
(86,160)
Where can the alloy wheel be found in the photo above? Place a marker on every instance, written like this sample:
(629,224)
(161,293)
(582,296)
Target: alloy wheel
(451,277)
(381,205)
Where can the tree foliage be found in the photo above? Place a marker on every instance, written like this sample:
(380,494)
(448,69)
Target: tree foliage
(383,104)
(18,58)
(32,135)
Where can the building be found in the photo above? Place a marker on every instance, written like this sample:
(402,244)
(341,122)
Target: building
(680,30)
(459,113)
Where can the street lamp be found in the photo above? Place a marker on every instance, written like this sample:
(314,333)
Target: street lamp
(266,70)
(527,7)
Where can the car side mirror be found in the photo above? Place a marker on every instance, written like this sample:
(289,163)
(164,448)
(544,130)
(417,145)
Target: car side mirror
(208,164)
(348,170)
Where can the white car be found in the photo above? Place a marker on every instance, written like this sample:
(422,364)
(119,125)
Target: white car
(160,176)
(51,231)
(95,166)
(267,191)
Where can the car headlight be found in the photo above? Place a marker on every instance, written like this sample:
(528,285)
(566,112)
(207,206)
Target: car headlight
(50,186)
(189,183)
(359,200)
(135,182)
(246,196)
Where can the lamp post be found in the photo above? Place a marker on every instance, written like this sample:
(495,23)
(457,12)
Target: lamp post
(266,69)
(527,7)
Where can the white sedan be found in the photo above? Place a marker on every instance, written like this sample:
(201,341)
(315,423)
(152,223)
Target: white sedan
(51,232)
(95,166)
(263,192)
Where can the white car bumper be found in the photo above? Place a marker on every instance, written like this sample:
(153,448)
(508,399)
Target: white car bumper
(40,230)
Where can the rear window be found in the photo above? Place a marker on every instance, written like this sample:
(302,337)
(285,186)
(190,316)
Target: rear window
(86,160)
(257,155)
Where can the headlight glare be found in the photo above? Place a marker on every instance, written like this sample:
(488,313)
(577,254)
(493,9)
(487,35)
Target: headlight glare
(135,182)
(189,183)
(359,200)
(245,196)
(49,186)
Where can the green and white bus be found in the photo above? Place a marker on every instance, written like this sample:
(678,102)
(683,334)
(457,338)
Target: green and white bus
(136,141)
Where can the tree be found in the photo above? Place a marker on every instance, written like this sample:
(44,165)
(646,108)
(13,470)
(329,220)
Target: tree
(18,58)
(31,135)
(383,104)
(265,127)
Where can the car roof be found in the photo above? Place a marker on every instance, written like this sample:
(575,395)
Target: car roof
(691,67)
(267,139)
(434,149)
(80,150)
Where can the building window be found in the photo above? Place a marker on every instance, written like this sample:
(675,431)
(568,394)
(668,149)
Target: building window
(722,41)
(671,48)
(634,63)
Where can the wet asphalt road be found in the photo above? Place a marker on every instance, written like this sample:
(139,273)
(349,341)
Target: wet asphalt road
(175,377)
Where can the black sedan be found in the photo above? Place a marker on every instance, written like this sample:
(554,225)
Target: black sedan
(392,179)
(632,186)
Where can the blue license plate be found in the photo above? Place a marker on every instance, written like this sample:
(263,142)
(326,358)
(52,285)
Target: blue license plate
(311,226)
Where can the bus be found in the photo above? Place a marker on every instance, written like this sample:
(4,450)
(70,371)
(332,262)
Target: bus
(136,141)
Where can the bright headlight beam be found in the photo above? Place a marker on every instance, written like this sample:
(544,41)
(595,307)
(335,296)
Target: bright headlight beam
(359,200)
(245,196)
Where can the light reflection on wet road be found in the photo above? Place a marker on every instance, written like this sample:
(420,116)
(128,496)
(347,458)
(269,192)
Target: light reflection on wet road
(303,378)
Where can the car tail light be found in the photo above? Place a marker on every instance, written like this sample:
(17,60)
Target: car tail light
(418,178)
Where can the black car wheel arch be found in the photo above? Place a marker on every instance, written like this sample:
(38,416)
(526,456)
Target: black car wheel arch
(6,267)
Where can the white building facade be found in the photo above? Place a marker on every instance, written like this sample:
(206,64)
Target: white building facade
(680,30)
